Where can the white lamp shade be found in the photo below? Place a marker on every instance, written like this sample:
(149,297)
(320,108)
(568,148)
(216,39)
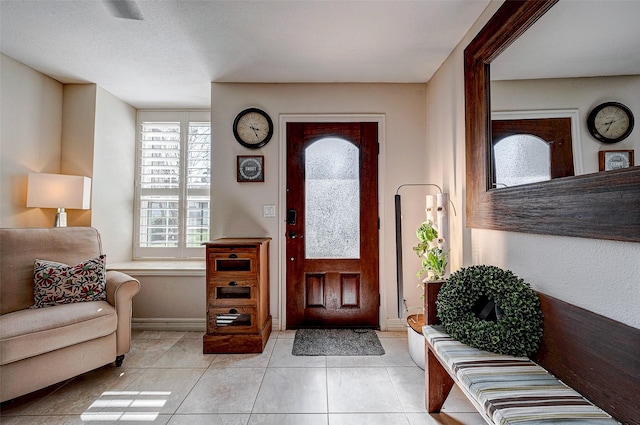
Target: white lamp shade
(58,191)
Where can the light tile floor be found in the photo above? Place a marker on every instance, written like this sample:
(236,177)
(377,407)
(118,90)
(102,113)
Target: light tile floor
(166,379)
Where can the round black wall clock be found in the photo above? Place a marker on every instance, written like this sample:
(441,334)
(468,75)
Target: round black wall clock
(253,128)
(610,122)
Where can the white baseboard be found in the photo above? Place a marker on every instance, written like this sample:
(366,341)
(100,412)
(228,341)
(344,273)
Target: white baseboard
(182,325)
(396,325)
(200,325)
(169,324)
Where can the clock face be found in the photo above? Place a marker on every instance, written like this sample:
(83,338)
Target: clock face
(610,122)
(253,128)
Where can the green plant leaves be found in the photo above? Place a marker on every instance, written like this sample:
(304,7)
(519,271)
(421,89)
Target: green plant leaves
(519,329)
(434,259)
(426,232)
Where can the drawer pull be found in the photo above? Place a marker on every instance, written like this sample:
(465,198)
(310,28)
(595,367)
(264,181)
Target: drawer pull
(233,255)
(233,283)
(233,311)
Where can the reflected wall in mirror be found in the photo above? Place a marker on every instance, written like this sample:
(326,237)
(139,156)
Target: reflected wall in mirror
(596,205)
(578,55)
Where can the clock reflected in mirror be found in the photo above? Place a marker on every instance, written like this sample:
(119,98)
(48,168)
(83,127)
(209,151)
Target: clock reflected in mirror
(615,160)
(250,168)
(610,122)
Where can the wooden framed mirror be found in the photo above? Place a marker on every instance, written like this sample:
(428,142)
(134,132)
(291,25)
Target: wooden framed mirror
(599,205)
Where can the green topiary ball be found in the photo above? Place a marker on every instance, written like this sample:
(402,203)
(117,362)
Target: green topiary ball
(516,327)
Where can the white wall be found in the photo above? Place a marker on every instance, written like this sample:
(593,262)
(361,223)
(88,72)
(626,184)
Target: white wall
(78,134)
(113,175)
(237,208)
(98,141)
(445,159)
(30,113)
(77,129)
(601,276)
(575,93)
(173,300)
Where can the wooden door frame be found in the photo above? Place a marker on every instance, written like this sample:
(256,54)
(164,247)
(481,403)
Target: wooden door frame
(573,114)
(283,119)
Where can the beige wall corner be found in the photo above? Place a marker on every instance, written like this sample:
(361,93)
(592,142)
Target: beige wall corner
(31,111)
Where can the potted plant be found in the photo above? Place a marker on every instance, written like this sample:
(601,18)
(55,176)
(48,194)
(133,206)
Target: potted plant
(434,258)
(434,264)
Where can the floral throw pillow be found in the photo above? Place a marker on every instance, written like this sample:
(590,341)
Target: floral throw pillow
(57,283)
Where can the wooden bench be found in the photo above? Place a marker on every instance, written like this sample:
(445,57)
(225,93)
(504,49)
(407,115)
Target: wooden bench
(583,356)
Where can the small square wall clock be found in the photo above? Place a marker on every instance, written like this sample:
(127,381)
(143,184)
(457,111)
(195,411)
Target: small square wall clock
(250,168)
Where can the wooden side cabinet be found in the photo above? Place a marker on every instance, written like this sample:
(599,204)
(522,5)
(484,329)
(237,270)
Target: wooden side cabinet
(238,319)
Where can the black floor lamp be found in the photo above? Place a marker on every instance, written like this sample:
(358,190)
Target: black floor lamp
(399,276)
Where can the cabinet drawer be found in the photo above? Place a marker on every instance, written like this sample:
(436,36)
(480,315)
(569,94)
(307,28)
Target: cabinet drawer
(222,292)
(231,319)
(232,262)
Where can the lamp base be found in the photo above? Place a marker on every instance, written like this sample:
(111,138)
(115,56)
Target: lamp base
(61,218)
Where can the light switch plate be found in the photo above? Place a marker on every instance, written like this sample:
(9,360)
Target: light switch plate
(268,210)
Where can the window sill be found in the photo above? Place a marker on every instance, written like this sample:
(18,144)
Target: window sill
(161,268)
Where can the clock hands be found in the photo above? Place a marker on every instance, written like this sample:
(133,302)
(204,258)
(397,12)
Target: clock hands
(610,124)
(252,128)
(255,130)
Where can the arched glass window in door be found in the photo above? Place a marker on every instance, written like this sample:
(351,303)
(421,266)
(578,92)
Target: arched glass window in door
(332,199)
(521,159)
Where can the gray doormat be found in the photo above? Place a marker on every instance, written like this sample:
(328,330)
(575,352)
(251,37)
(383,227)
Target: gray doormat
(336,342)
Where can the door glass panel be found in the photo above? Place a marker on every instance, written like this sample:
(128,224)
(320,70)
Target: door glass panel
(332,199)
(521,159)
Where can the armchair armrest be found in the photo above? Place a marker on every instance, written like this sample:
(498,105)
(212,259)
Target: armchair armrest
(121,289)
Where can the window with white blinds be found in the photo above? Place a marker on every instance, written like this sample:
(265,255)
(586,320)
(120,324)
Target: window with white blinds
(173,184)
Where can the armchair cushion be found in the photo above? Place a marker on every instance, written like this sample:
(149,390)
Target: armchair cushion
(57,283)
(28,333)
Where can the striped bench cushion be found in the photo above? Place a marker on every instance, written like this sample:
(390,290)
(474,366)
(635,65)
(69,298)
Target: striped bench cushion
(512,390)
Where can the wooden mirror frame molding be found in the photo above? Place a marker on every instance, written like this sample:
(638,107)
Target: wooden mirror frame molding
(602,205)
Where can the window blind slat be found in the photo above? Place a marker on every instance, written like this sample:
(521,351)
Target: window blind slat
(167,221)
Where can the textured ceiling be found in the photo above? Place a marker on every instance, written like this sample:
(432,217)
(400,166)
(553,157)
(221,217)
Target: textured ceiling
(576,39)
(169,58)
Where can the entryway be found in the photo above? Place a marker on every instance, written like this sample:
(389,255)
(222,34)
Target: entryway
(332,270)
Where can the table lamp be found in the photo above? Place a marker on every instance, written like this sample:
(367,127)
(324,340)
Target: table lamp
(59,191)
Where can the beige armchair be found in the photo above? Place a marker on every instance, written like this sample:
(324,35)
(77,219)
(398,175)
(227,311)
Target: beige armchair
(40,347)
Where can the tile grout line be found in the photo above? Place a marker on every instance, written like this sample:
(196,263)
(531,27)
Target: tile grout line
(395,362)
(253,406)
(175,412)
